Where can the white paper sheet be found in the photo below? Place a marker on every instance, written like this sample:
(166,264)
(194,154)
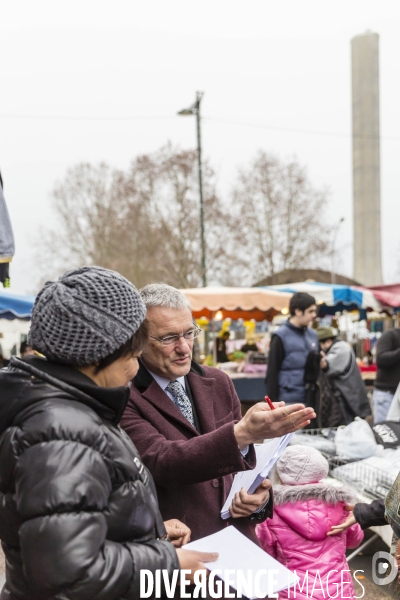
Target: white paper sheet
(243,558)
(266,455)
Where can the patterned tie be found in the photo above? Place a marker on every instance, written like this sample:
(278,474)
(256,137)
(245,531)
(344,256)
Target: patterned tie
(181,400)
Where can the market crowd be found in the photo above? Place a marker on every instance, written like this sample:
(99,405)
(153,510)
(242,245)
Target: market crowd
(116,448)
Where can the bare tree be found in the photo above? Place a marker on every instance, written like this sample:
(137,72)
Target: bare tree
(83,214)
(173,200)
(143,223)
(98,221)
(281,217)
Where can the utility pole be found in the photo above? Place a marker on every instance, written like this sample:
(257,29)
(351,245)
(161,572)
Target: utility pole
(195,110)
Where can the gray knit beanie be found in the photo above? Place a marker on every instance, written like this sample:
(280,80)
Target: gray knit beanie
(299,465)
(85,316)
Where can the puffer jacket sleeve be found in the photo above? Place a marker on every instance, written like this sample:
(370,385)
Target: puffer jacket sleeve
(370,515)
(62,491)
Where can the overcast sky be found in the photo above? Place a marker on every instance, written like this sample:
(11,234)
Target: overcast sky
(277,72)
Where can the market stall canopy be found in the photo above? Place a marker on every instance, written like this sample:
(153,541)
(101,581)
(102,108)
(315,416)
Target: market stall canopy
(236,302)
(13,306)
(388,295)
(335,295)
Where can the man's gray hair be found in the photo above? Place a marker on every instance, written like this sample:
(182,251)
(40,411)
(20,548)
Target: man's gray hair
(161,294)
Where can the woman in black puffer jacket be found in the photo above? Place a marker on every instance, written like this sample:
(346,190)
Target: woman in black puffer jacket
(78,510)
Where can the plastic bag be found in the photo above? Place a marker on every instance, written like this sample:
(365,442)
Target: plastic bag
(356,440)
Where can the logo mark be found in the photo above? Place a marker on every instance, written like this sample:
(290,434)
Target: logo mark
(384,568)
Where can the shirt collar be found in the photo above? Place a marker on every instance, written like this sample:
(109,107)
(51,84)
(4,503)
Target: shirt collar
(163,381)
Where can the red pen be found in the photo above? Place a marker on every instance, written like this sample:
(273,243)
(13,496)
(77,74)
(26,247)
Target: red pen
(268,401)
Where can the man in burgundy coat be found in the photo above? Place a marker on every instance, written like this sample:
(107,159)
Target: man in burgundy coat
(186,422)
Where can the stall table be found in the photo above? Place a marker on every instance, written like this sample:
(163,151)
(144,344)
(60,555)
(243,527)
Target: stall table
(249,387)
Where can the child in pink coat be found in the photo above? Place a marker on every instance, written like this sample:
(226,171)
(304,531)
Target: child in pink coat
(305,508)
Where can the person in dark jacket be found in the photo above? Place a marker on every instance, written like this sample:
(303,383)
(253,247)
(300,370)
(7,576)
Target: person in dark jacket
(222,356)
(366,515)
(339,367)
(78,509)
(388,375)
(290,348)
(379,513)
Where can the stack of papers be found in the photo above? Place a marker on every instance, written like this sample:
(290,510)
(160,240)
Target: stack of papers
(243,565)
(267,455)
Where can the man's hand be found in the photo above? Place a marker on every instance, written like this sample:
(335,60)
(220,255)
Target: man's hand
(244,504)
(323,363)
(194,561)
(260,422)
(178,532)
(348,522)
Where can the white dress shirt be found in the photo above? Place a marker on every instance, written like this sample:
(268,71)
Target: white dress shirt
(163,382)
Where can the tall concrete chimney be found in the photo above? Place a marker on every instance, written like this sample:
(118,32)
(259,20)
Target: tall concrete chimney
(366,159)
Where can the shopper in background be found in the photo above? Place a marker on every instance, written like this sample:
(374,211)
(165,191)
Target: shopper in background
(388,376)
(222,356)
(339,367)
(250,346)
(290,348)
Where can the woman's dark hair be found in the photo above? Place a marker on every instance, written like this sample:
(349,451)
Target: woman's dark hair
(301,301)
(134,344)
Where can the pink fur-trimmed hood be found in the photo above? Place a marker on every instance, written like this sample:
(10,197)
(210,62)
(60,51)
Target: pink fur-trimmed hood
(323,492)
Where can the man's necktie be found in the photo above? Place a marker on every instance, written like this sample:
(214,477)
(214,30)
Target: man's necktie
(181,400)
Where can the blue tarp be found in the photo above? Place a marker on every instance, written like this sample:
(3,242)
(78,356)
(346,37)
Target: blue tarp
(333,295)
(13,306)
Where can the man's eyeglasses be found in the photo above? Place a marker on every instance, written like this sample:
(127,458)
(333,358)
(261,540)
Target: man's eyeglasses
(173,339)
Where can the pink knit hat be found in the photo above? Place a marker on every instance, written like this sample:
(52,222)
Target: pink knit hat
(299,465)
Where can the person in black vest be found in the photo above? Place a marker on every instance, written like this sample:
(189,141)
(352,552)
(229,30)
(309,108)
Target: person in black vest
(290,350)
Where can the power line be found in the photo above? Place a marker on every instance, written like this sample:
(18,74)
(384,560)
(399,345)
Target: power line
(85,118)
(303,131)
(212,119)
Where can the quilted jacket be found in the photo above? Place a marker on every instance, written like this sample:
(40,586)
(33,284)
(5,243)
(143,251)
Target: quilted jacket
(296,537)
(78,510)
